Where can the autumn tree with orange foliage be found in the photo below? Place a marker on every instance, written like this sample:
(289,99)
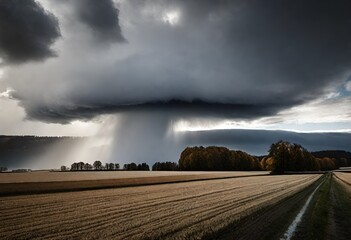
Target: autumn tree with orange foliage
(285,156)
(216,159)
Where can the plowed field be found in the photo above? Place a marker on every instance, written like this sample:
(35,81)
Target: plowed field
(169,211)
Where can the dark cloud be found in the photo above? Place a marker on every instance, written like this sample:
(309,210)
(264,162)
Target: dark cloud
(173,108)
(240,59)
(26,31)
(102,17)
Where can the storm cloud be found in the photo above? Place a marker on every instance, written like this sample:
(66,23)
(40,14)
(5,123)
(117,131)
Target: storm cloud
(148,65)
(27,31)
(249,56)
(102,17)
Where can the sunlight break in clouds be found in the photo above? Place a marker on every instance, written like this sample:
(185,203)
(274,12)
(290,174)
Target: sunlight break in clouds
(330,113)
(171,17)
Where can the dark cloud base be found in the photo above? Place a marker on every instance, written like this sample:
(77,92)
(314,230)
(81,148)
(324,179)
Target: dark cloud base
(27,31)
(172,108)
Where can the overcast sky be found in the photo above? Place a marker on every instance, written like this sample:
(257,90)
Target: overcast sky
(67,67)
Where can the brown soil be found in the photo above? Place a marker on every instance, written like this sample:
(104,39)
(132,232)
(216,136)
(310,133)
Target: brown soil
(19,188)
(332,205)
(271,221)
(190,210)
(58,176)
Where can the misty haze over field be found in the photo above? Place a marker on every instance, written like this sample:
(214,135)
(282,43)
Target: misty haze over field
(145,79)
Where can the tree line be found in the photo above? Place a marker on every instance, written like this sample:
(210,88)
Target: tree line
(342,158)
(284,156)
(165,166)
(136,167)
(98,166)
(158,166)
(217,159)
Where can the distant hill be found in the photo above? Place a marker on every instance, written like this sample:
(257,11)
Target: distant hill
(337,154)
(15,150)
(35,152)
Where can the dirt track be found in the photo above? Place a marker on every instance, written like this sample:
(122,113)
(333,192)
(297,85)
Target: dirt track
(328,215)
(269,222)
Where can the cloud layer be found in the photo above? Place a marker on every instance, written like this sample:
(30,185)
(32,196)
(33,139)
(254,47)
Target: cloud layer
(234,59)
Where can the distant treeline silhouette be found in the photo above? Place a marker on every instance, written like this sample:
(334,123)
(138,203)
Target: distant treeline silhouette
(98,166)
(283,157)
(136,167)
(165,166)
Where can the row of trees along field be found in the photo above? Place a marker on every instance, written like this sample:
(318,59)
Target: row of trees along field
(136,167)
(285,156)
(165,166)
(98,166)
(216,159)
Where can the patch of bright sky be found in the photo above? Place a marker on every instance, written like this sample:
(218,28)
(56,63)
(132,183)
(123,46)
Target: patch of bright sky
(13,122)
(330,113)
(171,17)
